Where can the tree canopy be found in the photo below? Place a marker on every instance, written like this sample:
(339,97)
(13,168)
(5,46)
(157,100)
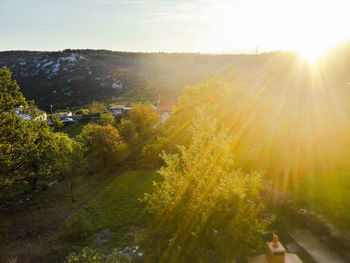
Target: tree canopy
(206,207)
(29,150)
(103,146)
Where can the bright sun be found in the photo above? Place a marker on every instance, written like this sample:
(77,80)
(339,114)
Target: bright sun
(310,27)
(312,54)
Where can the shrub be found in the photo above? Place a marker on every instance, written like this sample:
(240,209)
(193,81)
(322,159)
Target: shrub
(57,123)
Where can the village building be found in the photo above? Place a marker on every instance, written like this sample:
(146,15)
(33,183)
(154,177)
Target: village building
(276,253)
(119,110)
(165,108)
(65,113)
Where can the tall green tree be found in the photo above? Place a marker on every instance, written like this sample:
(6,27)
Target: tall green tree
(29,150)
(139,129)
(144,117)
(70,161)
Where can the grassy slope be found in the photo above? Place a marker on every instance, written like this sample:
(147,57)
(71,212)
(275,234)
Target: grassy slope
(35,231)
(73,129)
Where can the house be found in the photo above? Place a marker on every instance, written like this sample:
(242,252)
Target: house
(165,108)
(119,110)
(275,253)
(65,113)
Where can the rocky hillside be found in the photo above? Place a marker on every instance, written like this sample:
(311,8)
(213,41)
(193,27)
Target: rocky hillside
(76,77)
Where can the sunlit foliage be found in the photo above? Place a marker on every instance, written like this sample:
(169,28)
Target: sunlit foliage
(207,208)
(107,118)
(30,152)
(144,117)
(139,129)
(104,147)
(292,131)
(57,124)
(70,160)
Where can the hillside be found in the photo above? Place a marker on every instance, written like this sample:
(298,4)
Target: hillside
(45,226)
(76,77)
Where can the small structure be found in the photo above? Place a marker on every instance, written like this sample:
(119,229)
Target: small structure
(39,116)
(65,114)
(276,253)
(119,110)
(165,108)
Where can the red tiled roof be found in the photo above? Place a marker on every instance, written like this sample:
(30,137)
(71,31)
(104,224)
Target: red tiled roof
(166,105)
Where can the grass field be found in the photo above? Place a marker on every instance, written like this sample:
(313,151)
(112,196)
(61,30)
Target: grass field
(73,129)
(48,226)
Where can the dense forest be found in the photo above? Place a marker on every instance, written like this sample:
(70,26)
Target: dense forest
(77,77)
(72,78)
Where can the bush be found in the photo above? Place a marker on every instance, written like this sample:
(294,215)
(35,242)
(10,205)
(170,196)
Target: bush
(58,124)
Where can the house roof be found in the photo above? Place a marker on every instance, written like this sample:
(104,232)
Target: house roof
(116,107)
(166,105)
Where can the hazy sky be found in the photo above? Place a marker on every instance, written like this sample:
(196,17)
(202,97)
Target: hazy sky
(173,25)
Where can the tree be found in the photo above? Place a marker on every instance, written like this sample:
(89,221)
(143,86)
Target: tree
(213,94)
(127,130)
(107,118)
(206,208)
(70,161)
(144,118)
(11,128)
(104,146)
(97,107)
(10,95)
(138,129)
(29,150)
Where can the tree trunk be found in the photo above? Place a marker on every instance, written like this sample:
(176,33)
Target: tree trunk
(34,184)
(71,192)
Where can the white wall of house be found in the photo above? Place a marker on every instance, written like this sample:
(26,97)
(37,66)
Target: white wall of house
(164,116)
(117,111)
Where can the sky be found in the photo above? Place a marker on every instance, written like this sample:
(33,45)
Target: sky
(207,26)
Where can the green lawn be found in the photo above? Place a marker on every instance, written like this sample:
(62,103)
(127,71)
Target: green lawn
(73,129)
(37,230)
